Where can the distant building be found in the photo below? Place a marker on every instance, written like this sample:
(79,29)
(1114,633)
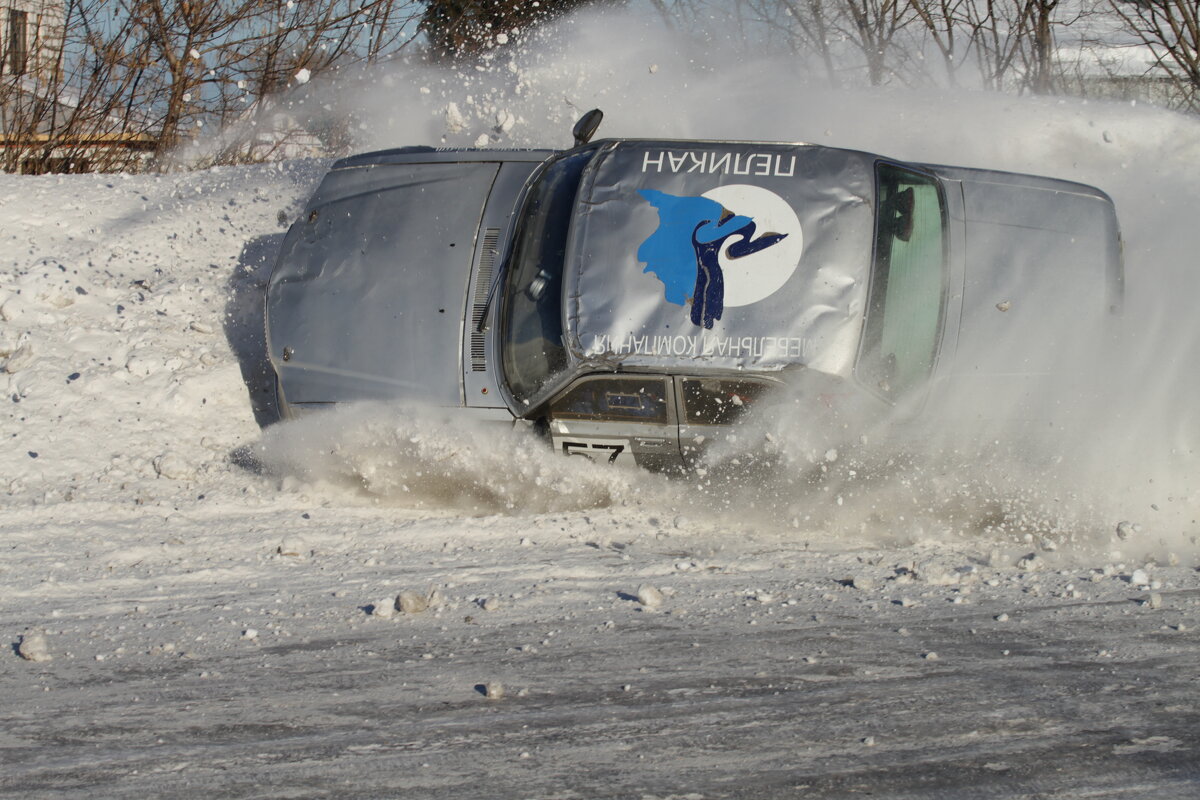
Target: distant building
(42,127)
(33,37)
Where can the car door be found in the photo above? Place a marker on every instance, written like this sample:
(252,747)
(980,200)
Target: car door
(619,419)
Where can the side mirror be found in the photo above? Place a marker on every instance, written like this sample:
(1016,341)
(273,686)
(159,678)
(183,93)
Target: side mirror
(586,127)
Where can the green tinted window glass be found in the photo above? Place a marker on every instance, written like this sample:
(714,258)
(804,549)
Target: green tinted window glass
(904,308)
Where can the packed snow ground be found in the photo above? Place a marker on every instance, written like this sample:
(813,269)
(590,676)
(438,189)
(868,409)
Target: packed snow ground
(383,602)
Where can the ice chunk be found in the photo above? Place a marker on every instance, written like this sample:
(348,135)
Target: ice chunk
(649,596)
(1030,562)
(1126,529)
(20,359)
(292,545)
(33,647)
(411,602)
(173,467)
(455,121)
(13,309)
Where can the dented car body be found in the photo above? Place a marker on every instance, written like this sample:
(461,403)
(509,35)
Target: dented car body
(632,298)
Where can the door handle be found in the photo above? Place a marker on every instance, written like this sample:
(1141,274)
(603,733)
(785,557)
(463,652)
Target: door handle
(643,441)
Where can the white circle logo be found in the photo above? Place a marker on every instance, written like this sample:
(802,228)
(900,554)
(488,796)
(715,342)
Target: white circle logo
(754,277)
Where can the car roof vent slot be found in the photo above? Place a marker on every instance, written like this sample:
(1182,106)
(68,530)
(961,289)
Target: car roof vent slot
(483,286)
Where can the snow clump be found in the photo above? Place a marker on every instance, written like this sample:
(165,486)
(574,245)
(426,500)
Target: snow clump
(411,602)
(649,596)
(33,647)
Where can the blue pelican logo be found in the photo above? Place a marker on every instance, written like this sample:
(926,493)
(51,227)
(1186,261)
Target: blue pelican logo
(685,251)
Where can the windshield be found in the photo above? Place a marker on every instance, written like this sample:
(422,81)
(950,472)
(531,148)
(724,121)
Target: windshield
(904,307)
(533,323)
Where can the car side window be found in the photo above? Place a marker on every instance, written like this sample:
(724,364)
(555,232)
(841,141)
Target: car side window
(606,398)
(720,401)
(904,309)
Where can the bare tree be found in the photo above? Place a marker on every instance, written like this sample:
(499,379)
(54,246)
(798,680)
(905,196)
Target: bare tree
(66,111)
(1170,31)
(839,39)
(111,81)
(993,29)
(812,29)
(872,26)
(946,25)
(133,75)
(296,44)
(1014,42)
(1038,24)
(462,29)
(189,38)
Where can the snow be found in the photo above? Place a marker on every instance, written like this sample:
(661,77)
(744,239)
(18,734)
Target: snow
(382,602)
(411,602)
(649,596)
(33,647)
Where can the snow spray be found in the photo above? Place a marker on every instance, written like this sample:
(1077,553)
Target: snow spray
(1128,459)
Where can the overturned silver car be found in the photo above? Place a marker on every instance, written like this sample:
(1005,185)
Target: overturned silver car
(633,297)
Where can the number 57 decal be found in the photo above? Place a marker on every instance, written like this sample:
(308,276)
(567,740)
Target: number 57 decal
(595,450)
